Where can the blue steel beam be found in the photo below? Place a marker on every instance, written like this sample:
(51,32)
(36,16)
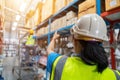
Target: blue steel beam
(65,8)
(98,6)
(49,27)
(59,30)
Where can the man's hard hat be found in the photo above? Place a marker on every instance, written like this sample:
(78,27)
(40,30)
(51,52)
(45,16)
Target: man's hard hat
(31,32)
(90,27)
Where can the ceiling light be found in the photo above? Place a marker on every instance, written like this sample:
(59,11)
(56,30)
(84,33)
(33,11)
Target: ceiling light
(13,28)
(15,24)
(18,17)
(43,1)
(22,8)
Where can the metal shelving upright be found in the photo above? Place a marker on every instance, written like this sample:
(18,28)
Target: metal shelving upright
(60,13)
(113,18)
(74,5)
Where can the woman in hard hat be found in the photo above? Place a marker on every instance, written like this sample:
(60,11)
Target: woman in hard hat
(90,61)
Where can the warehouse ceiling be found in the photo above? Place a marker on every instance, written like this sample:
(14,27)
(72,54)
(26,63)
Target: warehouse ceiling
(15,11)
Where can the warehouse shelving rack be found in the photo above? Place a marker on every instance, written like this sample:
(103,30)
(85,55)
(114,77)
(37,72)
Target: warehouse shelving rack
(7,48)
(72,6)
(113,18)
(65,30)
(62,12)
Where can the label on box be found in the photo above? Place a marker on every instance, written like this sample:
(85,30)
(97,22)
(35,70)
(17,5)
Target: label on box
(113,3)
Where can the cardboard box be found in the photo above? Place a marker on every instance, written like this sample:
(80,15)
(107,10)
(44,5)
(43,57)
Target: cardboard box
(70,15)
(58,23)
(88,11)
(47,9)
(69,1)
(60,4)
(1,21)
(111,4)
(2,5)
(29,15)
(54,25)
(37,14)
(62,21)
(87,7)
(41,31)
(68,22)
(72,21)
(46,29)
(31,22)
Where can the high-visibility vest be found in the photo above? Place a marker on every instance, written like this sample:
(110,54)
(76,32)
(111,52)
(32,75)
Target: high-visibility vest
(30,40)
(76,69)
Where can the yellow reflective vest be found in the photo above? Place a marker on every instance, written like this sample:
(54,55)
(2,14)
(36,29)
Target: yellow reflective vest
(30,40)
(76,69)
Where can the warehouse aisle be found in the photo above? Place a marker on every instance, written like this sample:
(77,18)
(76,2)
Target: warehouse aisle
(8,64)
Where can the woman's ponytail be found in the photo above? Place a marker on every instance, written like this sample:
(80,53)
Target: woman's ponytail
(94,54)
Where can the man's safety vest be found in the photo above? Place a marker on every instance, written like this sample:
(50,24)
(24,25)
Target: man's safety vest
(30,40)
(75,69)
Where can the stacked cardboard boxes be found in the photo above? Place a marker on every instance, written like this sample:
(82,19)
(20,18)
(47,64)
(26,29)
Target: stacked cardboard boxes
(72,21)
(55,25)
(29,20)
(71,18)
(68,19)
(2,4)
(1,21)
(111,4)
(63,21)
(60,4)
(69,1)
(47,9)
(42,31)
(46,30)
(37,14)
(58,23)
(87,7)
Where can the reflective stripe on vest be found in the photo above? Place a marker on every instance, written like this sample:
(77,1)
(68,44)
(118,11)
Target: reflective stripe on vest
(75,69)
(117,75)
(59,68)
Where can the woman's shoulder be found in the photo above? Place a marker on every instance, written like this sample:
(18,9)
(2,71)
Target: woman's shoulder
(108,73)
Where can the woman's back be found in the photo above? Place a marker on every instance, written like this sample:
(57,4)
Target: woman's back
(76,69)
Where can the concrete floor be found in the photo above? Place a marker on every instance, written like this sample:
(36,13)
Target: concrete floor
(9,63)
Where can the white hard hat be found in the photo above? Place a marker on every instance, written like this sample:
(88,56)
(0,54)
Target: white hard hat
(90,27)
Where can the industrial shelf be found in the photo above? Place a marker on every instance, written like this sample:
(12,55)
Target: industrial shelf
(64,31)
(72,6)
(60,13)
(112,16)
(117,25)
